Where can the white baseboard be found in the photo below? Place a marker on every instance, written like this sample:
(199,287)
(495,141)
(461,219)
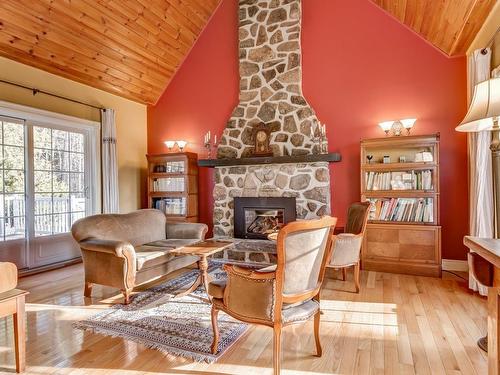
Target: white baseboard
(455,265)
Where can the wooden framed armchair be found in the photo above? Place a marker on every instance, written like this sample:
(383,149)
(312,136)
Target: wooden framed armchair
(284,294)
(347,245)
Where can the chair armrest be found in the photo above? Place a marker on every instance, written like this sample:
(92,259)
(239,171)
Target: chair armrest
(186,230)
(8,276)
(346,249)
(118,248)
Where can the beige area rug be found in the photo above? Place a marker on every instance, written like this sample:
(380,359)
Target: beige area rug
(181,327)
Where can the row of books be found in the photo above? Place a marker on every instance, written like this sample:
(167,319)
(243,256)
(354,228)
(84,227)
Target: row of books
(413,180)
(168,184)
(171,206)
(402,209)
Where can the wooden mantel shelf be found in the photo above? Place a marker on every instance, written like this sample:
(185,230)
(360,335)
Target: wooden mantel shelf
(333,157)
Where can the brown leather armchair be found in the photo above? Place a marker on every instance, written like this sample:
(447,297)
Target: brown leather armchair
(280,295)
(125,250)
(347,245)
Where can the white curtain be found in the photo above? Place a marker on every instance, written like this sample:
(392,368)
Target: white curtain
(109,163)
(481,210)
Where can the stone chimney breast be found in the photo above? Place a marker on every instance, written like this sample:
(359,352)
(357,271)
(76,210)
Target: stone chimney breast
(270,82)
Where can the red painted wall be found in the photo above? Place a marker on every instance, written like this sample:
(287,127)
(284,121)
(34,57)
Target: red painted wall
(360,66)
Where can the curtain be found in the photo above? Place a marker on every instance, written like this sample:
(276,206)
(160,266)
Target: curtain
(109,163)
(481,209)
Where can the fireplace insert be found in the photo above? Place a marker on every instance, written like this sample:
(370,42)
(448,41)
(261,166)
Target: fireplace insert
(258,217)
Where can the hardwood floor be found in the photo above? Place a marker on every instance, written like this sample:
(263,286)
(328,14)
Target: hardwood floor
(398,324)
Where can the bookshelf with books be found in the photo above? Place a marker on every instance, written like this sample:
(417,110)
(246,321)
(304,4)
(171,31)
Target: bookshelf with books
(173,185)
(400,178)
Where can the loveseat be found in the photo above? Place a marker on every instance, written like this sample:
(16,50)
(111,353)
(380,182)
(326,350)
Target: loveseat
(125,250)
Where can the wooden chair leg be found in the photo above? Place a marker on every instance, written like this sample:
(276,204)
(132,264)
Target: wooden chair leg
(344,274)
(20,335)
(277,349)
(357,266)
(88,289)
(215,329)
(126,294)
(317,318)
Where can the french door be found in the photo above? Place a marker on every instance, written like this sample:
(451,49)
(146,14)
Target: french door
(46,173)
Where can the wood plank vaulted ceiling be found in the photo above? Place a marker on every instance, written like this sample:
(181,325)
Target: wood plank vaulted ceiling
(132,48)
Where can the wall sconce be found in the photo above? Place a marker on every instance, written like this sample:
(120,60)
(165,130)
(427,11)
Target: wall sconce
(408,124)
(170,145)
(181,145)
(386,126)
(396,126)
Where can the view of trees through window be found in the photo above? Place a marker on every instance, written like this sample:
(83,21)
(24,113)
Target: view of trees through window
(58,177)
(12,200)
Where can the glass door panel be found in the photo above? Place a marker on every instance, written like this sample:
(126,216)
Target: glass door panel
(13,230)
(59,179)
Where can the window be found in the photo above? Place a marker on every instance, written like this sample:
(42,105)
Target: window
(12,181)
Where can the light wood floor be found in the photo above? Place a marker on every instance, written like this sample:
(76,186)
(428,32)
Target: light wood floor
(396,325)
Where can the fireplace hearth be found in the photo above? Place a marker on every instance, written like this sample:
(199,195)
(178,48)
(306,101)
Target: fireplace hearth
(256,218)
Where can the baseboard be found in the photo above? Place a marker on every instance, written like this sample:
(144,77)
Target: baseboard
(455,265)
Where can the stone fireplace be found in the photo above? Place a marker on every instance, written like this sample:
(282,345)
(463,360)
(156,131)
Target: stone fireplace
(270,93)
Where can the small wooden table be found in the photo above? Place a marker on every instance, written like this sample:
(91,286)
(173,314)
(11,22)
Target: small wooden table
(203,250)
(489,250)
(12,303)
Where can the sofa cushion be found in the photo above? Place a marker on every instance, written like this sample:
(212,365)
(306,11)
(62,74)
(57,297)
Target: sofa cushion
(158,252)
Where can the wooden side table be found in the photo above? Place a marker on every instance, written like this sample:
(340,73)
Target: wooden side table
(12,303)
(489,250)
(203,250)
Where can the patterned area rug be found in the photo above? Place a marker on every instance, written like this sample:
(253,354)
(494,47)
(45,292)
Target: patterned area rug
(180,327)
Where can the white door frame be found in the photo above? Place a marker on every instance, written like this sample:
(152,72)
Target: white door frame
(91,131)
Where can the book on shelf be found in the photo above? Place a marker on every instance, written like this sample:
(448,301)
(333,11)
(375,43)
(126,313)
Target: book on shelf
(419,210)
(168,184)
(412,180)
(171,206)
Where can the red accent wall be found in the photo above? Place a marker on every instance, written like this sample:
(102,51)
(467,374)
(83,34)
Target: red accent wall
(360,66)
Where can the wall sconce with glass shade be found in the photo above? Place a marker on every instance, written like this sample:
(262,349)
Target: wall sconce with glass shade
(170,145)
(408,124)
(396,126)
(181,145)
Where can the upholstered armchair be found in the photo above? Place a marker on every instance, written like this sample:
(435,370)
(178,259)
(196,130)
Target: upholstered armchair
(281,295)
(347,245)
(125,250)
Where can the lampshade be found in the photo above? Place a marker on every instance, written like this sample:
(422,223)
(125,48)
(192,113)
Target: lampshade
(170,144)
(484,107)
(386,125)
(181,144)
(408,122)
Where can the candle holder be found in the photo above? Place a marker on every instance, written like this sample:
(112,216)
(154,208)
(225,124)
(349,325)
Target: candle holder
(215,145)
(324,145)
(208,146)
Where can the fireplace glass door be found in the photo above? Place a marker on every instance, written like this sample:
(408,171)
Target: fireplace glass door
(259,217)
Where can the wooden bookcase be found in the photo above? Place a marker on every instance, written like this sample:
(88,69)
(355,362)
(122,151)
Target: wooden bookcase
(404,238)
(173,185)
